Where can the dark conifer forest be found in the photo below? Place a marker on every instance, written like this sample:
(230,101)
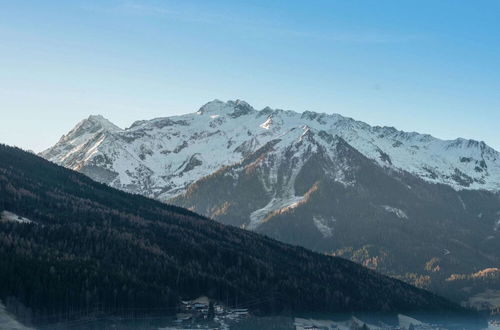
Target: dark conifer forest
(90,246)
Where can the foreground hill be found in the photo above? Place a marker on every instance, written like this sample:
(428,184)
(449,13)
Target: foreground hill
(76,244)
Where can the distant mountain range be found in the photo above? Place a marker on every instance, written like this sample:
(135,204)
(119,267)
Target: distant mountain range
(407,204)
(161,157)
(70,245)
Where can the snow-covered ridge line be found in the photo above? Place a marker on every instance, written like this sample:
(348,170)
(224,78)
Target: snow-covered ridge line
(160,157)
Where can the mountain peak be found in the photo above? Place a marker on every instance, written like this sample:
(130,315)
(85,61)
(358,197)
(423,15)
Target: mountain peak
(212,106)
(99,120)
(92,125)
(90,131)
(234,108)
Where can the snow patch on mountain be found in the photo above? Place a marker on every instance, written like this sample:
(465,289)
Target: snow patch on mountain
(281,204)
(405,322)
(398,212)
(12,217)
(267,124)
(9,322)
(462,203)
(325,226)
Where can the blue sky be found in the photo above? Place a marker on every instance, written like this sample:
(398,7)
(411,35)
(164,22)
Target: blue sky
(427,66)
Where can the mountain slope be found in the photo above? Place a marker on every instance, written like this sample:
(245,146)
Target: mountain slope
(83,244)
(313,189)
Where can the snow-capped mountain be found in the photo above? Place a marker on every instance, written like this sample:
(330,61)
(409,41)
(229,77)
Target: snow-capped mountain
(160,157)
(374,195)
(277,177)
(313,189)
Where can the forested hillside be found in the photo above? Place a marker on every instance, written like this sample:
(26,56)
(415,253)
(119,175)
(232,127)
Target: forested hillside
(80,244)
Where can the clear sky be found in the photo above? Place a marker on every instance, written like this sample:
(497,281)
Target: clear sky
(427,66)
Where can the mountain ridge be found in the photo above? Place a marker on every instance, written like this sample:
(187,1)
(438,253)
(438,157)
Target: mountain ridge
(460,163)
